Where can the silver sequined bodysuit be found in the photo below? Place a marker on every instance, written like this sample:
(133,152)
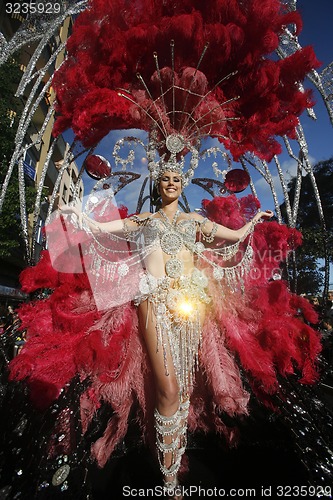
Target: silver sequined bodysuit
(174,290)
(156,260)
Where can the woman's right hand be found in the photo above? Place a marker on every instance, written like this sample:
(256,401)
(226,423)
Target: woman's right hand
(67,209)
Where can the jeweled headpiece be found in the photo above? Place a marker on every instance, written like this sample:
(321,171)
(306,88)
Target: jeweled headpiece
(175,145)
(178,112)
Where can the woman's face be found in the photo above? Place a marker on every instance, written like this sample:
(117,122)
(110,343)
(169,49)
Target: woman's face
(170,186)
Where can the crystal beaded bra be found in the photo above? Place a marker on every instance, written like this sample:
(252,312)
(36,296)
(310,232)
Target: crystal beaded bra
(153,228)
(115,263)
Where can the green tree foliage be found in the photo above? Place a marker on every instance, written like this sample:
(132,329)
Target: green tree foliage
(10,110)
(10,75)
(315,239)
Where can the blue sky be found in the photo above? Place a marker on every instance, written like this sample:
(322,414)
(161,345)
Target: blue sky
(317,31)
(317,19)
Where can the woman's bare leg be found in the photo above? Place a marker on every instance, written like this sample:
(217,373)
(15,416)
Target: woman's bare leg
(167,390)
(172,407)
(167,416)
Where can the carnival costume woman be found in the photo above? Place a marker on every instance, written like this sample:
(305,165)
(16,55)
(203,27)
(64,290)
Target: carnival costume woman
(172,296)
(203,305)
(193,311)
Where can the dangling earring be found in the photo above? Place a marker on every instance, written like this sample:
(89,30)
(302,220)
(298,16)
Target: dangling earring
(156,196)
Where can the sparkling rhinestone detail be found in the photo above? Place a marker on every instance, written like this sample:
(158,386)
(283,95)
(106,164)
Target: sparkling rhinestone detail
(175,143)
(171,243)
(61,475)
(174,268)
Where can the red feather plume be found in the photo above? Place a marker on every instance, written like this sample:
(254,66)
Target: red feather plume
(113,40)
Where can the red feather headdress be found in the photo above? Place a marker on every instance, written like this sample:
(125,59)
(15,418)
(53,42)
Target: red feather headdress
(186,69)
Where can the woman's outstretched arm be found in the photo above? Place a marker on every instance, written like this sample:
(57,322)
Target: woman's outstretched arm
(218,231)
(115,226)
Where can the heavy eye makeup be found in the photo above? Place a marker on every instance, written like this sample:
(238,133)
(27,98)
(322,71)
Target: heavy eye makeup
(167,179)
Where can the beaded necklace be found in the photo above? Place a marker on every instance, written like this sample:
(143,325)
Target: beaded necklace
(166,218)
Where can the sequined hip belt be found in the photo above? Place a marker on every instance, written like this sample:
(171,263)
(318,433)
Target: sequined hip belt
(178,295)
(175,304)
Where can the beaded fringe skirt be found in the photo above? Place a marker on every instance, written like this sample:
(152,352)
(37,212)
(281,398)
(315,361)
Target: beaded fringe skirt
(176,306)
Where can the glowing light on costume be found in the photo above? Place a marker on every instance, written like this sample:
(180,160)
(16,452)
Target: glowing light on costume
(186,307)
